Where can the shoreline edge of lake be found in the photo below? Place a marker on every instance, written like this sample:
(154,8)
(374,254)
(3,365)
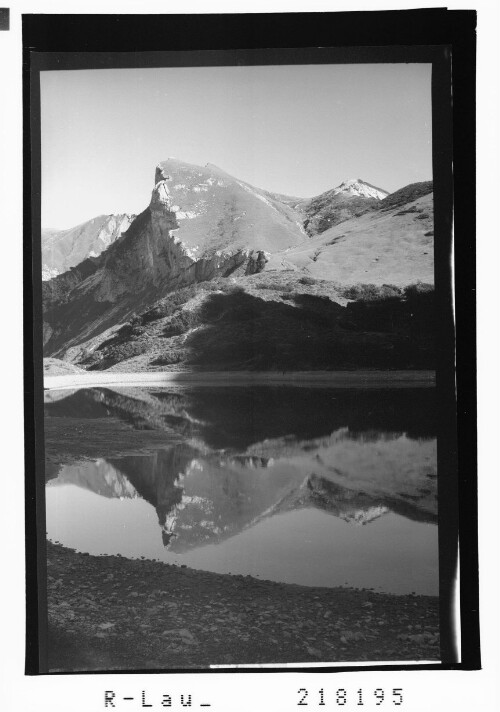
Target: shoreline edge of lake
(323,379)
(109,612)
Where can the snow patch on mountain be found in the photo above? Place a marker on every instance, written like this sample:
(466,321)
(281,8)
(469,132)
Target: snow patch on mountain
(184,214)
(358,187)
(364,516)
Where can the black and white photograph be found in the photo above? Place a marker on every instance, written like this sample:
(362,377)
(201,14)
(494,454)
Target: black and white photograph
(246,268)
(239,333)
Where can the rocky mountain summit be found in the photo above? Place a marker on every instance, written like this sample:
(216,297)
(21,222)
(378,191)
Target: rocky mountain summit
(360,188)
(217,212)
(214,235)
(192,188)
(352,198)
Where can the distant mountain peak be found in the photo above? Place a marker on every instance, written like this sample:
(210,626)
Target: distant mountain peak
(64,249)
(360,188)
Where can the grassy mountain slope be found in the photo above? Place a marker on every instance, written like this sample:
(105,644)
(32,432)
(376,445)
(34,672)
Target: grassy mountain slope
(216,211)
(407,194)
(393,244)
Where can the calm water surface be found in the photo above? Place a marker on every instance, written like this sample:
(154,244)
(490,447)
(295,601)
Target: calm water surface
(308,486)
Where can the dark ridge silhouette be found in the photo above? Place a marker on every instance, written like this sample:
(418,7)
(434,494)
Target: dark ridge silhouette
(406,195)
(241,331)
(237,417)
(154,477)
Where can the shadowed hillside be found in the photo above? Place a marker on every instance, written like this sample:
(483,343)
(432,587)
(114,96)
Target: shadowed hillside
(254,330)
(407,195)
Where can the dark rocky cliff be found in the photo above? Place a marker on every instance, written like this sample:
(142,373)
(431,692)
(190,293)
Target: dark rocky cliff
(146,262)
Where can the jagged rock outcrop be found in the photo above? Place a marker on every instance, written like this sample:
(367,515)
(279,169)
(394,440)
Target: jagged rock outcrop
(147,261)
(256,262)
(100,477)
(64,249)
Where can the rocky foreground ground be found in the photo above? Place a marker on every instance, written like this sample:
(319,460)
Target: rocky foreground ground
(112,613)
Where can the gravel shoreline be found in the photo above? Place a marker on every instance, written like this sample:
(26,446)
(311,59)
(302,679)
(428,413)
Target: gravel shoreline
(112,613)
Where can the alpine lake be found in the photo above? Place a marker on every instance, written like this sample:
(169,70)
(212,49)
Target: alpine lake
(294,484)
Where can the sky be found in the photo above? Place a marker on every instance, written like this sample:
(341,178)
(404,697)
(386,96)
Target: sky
(293,129)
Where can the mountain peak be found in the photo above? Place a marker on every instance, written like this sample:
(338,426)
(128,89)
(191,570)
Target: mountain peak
(360,188)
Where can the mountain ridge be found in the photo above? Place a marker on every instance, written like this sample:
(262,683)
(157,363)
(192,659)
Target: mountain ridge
(360,187)
(203,225)
(64,249)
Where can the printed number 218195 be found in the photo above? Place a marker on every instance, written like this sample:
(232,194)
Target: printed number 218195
(357,698)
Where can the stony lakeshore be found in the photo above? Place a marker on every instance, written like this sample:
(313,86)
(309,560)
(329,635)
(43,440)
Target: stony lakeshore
(112,613)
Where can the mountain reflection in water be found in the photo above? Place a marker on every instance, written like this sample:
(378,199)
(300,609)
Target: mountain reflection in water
(266,481)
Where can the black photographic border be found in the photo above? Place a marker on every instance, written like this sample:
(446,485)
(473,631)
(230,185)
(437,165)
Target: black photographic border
(444,38)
